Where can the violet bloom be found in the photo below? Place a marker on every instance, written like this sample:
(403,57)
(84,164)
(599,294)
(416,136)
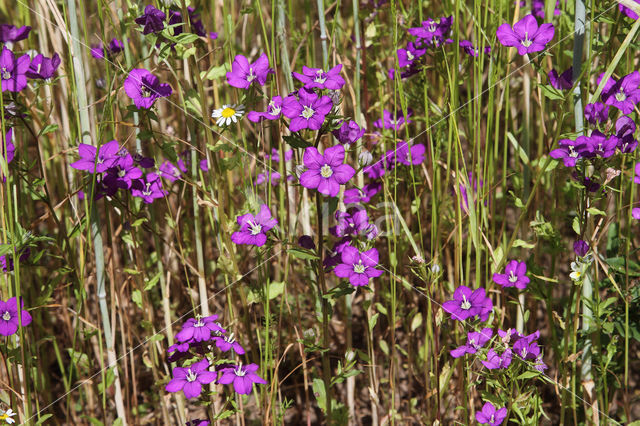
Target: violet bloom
(149,188)
(13,70)
(490,416)
(98,51)
(526,35)
(580,248)
(169,171)
(305,241)
(596,113)
(349,132)
(12,34)
(274,111)
(495,361)
(394,122)
(273,178)
(597,145)
(43,68)
(380,167)
(432,32)
(226,343)
(334,257)
(325,172)
(316,78)
(468,303)
(563,81)
(123,173)
(144,88)
(198,422)
(275,155)
(199,329)
(627,11)
(406,57)
(353,224)
(475,340)
(515,275)
(623,94)
(364,195)
(243,74)
(469,49)
(537,8)
(9,319)
(253,229)
(152,19)
(625,129)
(307,111)
(569,152)
(358,267)
(242,376)
(178,351)
(97,161)
(526,347)
(190,379)
(408,156)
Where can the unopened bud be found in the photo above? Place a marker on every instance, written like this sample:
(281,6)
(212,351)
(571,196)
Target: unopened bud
(365,158)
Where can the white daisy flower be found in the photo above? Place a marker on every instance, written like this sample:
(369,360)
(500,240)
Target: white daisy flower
(228,114)
(6,415)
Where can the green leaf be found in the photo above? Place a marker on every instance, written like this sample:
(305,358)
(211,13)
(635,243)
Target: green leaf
(303,254)
(528,375)
(296,141)
(214,72)
(152,282)
(186,38)
(43,418)
(48,129)
(596,212)
(416,321)
(551,92)
(136,297)
(521,243)
(320,394)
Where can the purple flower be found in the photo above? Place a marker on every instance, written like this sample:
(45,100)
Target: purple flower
(275,155)
(242,376)
(12,34)
(627,11)
(495,361)
(563,81)
(316,78)
(636,179)
(43,68)
(148,188)
(515,275)
(9,318)
(475,340)
(623,94)
(537,8)
(199,329)
(169,171)
(190,379)
(243,74)
(273,178)
(325,172)
(402,153)
(625,129)
(354,224)
(253,229)
(406,57)
(393,122)
(178,351)
(13,70)
(349,132)
(144,88)
(152,19)
(305,241)
(526,35)
(98,51)
(107,155)
(123,173)
(569,152)
(334,257)
(596,113)
(489,415)
(468,48)
(635,213)
(432,32)
(580,248)
(274,111)
(198,422)
(307,111)
(526,347)
(380,167)
(176,21)
(597,145)
(358,267)
(468,303)
(226,343)
(364,195)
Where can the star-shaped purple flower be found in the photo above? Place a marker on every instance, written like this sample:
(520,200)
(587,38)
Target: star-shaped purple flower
(475,340)
(432,32)
(515,275)
(627,11)
(358,267)
(107,155)
(13,70)
(12,34)
(389,121)
(526,35)
(9,318)
(199,329)
(596,113)
(623,94)
(316,78)
(364,195)
(325,172)
(356,223)
(242,376)
(468,303)
(307,111)
(349,132)
(148,188)
(43,68)
(243,74)
(495,361)
(152,19)
(190,379)
(226,343)
(563,81)
(274,111)
(253,229)
(144,88)
(490,416)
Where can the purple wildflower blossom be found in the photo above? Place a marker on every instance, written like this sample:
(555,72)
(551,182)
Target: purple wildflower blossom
(178,351)
(43,68)
(253,229)
(526,35)
(334,257)
(563,81)
(275,155)
(12,34)
(13,70)
(495,361)
(475,340)
(226,343)
(623,94)
(9,319)
(190,379)
(325,172)
(242,376)
(356,223)
(403,152)
(432,32)
(107,155)
(198,422)
(123,173)
(515,275)
(537,8)
(489,415)
(11,149)
(169,171)
(199,329)
(580,248)
(274,111)
(364,195)
(148,188)
(406,57)
(468,303)
(349,132)
(527,347)
(627,11)
(625,129)
(305,241)
(243,74)
(316,78)
(144,88)
(393,122)
(308,111)
(597,145)
(358,267)
(596,113)
(152,19)
(569,152)
(98,51)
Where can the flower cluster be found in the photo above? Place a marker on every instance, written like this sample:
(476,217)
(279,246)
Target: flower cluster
(198,337)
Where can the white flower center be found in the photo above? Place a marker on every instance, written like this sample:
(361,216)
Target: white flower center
(512,277)
(359,268)
(492,420)
(275,110)
(229,338)
(410,56)
(524,352)
(240,372)
(191,376)
(326,171)
(6,75)
(199,324)
(432,27)
(526,42)
(121,172)
(255,228)
(147,192)
(466,305)
(621,96)
(251,75)
(6,316)
(307,112)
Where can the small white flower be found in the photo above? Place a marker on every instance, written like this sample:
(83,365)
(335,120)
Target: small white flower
(228,114)
(6,415)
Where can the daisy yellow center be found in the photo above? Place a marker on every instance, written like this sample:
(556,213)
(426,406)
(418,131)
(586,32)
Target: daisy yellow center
(191,376)
(620,96)
(526,42)
(466,305)
(6,316)
(326,171)
(512,277)
(255,228)
(228,112)
(359,268)
(307,112)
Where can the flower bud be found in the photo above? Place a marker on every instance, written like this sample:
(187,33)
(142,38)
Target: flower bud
(365,158)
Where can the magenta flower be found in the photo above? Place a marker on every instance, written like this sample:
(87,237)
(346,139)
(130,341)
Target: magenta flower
(580,248)
(226,343)
(349,132)
(569,152)
(107,155)
(402,153)
(364,195)
(596,113)
(475,341)
(12,34)
(628,12)
(597,145)
(490,416)
(152,19)
(495,361)
(149,188)
(169,171)
(358,267)
(394,122)
(43,68)
(190,379)
(242,376)
(13,70)
(274,111)
(199,329)
(316,78)
(356,223)
(275,155)
(468,303)
(527,347)
(563,81)
(432,32)
(623,94)
(144,88)
(625,130)
(537,8)
(325,172)
(526,35)
(515,275)
(243,74)
(406,57)
(307,111)
(9,318)
(98,51)
(253,229)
